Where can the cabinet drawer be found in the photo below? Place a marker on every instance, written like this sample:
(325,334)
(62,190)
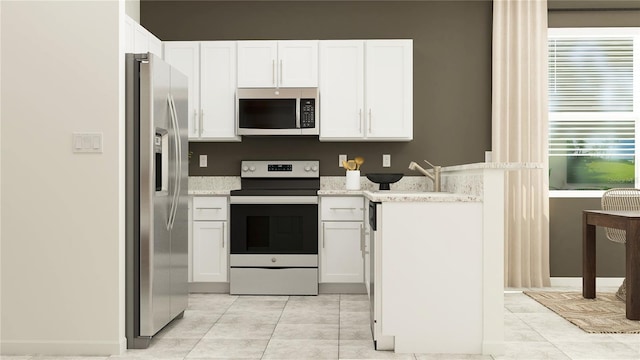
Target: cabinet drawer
(342,208)
(210,208)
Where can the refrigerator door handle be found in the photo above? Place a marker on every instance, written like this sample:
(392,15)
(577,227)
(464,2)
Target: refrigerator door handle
(175,182)
(179,157)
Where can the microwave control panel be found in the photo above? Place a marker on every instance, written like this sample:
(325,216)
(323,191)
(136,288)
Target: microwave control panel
(307,113)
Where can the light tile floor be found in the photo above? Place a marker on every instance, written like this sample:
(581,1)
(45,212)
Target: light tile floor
(337,327)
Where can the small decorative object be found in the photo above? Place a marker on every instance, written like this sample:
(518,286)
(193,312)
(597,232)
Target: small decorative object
(384,179)
(353,172)
(353,179)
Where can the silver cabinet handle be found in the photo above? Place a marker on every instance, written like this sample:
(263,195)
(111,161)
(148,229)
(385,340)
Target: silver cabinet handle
(273,71)
(323,231)
(361,239)
(342,208)
(280,72)
(209,208)
(360,117)
(370,121)
(195,121)
(201,121)
(224,233)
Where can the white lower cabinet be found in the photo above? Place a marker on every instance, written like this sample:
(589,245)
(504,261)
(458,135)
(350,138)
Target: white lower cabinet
(209,251)
(341,240)
(341,252)
(210,245)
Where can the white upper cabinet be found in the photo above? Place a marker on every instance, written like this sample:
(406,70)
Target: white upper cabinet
(341,89)
(366,90)
(257,63)
(139,40)
(277,64)
(211,68)
(298,63)
(389,89)
(185,56)
(218,89)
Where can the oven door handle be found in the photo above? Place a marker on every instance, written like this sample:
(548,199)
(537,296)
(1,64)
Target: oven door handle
(269,200)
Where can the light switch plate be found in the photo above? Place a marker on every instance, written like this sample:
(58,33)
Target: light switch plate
(87,142)
(341,158)
(386,160)
(203,160)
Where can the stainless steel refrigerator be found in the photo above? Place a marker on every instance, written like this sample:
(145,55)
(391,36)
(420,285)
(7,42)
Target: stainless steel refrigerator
(156,197)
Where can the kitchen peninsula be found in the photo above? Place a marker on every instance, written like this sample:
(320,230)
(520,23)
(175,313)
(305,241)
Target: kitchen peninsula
(439,257)
(439,285)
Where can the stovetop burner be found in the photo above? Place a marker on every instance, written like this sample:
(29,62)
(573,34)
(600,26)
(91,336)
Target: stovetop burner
(279,178)
(274,192)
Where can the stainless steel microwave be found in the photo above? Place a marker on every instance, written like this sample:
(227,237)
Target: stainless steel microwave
(282,111)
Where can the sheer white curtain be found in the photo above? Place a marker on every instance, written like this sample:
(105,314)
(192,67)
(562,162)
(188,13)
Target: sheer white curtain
(519,123)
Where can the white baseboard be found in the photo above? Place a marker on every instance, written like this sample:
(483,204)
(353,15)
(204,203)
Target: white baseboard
(62,348)
(577,281)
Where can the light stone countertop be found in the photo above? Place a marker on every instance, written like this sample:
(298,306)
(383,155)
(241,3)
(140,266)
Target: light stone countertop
(417,196)
(339,192)
(210,192)
(493,165)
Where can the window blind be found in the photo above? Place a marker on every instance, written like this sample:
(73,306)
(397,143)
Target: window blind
(591,74)
(592,138)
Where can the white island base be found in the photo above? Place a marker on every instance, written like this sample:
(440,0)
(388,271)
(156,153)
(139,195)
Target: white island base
(430,262)
(439,261)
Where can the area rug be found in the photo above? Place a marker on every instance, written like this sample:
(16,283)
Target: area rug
(603,315)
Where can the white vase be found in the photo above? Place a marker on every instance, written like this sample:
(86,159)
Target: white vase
(353,179)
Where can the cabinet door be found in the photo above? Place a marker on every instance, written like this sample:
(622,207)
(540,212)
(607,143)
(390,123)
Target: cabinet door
(185,56)
(155,45)
(257,63)
(140,39)
(367,249)
(129,34)
(341,89)
(341,252)
(218,89)
(210,251)
(389,89)
(297,63)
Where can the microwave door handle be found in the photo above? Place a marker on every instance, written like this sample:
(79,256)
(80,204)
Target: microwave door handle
(297,113)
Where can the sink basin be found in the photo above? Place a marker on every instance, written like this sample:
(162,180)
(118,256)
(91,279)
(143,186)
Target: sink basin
(384,179)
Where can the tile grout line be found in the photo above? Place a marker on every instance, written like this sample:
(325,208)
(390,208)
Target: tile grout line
(274,327)
(212,325)
(339,324)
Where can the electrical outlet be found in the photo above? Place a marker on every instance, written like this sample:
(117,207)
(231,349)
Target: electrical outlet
(386,160)
(341,158)
(203,160)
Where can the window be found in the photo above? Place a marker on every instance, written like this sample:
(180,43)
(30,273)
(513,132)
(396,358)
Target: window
(594,108)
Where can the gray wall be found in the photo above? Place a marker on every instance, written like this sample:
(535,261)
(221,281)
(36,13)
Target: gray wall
(565,215)
(452,85)
(452,73)
(565,241)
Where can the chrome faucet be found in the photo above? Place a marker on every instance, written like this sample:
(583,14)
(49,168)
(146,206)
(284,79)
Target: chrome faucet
(435,177)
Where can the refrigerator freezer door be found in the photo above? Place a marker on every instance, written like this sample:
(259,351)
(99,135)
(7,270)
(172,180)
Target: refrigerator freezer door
(179,231)
(155,241)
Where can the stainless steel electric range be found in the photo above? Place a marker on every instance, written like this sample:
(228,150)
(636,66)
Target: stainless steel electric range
(274,229)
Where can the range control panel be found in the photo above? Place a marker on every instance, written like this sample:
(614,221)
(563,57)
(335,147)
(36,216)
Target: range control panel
(307,113)
(280,169)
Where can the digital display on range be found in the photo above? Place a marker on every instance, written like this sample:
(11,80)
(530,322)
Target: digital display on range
(280,167)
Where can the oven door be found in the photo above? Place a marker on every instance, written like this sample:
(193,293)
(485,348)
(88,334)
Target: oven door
(274,225)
